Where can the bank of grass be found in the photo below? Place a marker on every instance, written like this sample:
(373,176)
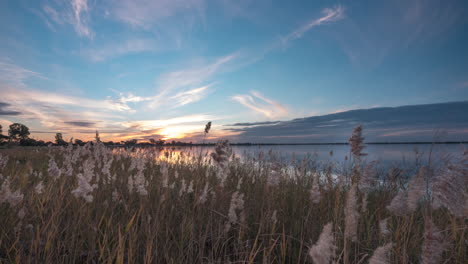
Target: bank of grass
(190,213)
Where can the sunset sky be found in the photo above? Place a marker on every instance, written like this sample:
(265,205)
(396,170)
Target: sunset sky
(163,68)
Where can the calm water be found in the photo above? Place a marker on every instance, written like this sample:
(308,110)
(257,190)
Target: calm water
(398,154)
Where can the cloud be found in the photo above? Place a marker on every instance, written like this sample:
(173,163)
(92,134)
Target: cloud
(81,123)
(264,106)
(194,75)
(405,23)
(15,75)
(189,96)
(153,124)
(147,13)
(254,124)
(131,46)
(4,111)
(329,15)
(58,112)
(404,123)
(176,127)
(74,12)
(172,84)
(29,96)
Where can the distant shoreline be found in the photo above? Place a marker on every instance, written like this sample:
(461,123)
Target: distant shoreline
(339,143)
(146,145)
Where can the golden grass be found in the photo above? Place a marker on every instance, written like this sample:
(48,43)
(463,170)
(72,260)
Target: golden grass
(172,226)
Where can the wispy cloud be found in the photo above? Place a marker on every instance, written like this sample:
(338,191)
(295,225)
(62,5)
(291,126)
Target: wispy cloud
(405,23)
(261,104)
(189,96)
(172,84)
(194,75)
(147,13)
(131,46)
(153,124)
(329,15)
(131,98)
(74,12)
(13,74)
(29,96)
(80,17)
(59,112)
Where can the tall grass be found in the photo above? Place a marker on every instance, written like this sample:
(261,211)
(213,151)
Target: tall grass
(92,204)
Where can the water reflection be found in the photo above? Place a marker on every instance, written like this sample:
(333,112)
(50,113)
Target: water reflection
(389,155)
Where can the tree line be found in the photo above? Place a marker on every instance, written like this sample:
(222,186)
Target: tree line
(18,134)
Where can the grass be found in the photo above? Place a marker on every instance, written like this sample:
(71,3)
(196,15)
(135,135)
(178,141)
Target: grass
(274,222)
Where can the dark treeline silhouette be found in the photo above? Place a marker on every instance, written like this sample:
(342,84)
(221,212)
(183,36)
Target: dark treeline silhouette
(18,134)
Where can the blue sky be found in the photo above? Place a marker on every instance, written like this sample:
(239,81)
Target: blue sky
(163,68)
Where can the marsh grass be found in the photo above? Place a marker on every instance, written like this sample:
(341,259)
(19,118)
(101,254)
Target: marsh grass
(276,220)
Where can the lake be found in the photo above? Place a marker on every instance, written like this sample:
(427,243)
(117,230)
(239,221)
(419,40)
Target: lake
(385,154)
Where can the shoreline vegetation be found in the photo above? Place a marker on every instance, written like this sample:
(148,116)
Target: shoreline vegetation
(18,135)
(96,204)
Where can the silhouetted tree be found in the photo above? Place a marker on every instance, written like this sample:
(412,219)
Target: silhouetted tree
(79,142)
(1,134)
(18,131)
(59,139)
(131,142)
(109,143)
(152,141)
(30,142)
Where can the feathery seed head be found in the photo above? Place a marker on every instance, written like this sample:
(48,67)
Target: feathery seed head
(380,255)
(323,251)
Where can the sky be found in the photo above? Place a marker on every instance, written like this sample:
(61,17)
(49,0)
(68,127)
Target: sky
(164,68)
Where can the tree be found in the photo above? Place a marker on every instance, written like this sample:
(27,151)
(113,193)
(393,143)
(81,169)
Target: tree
(18,131)
(29,142)
(79,142)
(152,141)
(59,139)
(1,135)
(131,142)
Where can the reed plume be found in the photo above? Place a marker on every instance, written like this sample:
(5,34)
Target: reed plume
(383,227)
(416,189)
(315,191)
(356,142)
(434,244)
(7,195)
(351,214)
(380,255)
(450,189)
(237,204)
(323,252)
(398,205)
